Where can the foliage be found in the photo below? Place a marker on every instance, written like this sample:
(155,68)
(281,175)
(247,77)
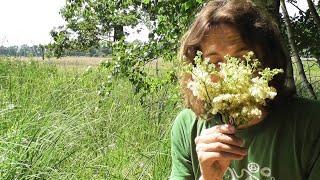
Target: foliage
(128,61)
(306,33)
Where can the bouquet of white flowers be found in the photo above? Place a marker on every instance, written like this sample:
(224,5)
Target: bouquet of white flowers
(236,89)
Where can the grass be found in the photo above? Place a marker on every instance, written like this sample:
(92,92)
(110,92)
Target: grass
(57,124)
(65,63)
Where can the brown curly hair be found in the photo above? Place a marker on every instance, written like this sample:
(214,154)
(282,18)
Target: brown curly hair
(257,30)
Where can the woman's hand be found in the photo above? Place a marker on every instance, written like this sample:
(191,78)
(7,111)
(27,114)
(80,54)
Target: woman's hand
(216,147)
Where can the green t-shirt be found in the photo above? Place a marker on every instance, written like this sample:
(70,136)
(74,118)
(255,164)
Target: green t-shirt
(285,145)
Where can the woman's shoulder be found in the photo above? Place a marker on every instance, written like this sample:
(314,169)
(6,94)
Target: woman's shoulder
(185,119)
(303,115)
(304,107)
(298,106)
(188,124)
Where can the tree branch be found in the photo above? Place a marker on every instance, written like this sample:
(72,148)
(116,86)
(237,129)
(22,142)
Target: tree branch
(297,8)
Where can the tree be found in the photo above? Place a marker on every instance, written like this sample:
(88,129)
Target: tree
(314,13)
(305,32)
(89,22)
(295,52)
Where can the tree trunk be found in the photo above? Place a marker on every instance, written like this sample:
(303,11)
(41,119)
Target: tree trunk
(314,13)
(295,52)
(118,32)
(43,50)
(289,82)
(272,7)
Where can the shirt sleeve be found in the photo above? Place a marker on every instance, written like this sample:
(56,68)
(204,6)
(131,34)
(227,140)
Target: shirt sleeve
(180,149)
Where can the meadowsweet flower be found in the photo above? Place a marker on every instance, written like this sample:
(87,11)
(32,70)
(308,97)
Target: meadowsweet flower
(241,87)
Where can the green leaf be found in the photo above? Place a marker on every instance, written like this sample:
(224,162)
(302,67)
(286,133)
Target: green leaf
(146,1)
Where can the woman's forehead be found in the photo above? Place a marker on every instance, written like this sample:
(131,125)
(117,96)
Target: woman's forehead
(223,32)
(223,38)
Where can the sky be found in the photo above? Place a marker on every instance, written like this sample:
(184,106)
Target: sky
(30,21)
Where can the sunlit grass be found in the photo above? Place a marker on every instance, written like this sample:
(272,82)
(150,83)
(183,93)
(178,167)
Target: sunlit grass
(56,125)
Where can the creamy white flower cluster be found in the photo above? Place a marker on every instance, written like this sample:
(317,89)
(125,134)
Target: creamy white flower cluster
(236,89)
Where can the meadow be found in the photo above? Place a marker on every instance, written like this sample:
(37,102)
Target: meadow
(58,120)
(59,123)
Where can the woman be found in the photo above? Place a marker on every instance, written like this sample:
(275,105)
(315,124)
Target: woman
(283,144)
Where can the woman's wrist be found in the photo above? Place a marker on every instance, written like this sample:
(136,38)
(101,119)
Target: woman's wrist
(209,178)
(208,174)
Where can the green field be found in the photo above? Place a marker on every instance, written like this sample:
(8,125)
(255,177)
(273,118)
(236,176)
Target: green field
(58,122)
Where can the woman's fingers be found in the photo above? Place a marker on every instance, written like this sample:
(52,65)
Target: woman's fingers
(219,137)
(210,157)
(219,144)
(221,147)
(225,129)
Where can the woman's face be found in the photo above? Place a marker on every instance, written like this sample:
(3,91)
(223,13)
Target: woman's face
(222,40)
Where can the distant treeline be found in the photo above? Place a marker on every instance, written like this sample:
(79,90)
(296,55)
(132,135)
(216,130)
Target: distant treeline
(41,51)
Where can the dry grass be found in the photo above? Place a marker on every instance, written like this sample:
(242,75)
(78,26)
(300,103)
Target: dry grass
(67,63)
(78,63)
